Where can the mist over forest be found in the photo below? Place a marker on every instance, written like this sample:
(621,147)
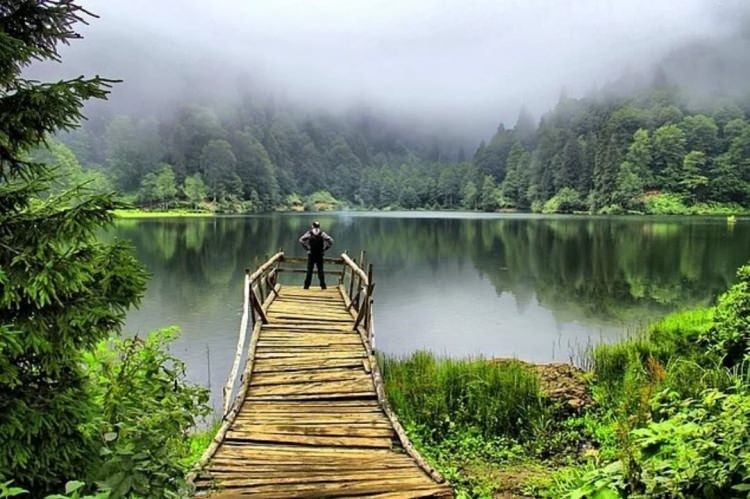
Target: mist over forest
(126,126)
(557,107)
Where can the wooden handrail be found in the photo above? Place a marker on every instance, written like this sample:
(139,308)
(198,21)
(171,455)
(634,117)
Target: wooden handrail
(251,306)
(240,347)
(263,268)
(354,267)
(303,259)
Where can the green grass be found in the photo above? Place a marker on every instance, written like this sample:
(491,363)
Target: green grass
(680,332)
(668,355)
(483,424)
(197,444)
(676,336)
(494,398)
(487,428)
(137,213)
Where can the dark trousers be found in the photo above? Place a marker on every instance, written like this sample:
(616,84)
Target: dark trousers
(315,260)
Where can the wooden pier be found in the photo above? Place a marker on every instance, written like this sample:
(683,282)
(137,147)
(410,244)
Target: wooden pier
(310,417)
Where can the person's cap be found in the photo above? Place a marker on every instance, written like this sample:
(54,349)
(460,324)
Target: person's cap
(316,224)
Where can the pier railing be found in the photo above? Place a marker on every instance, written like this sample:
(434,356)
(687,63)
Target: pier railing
(261,287)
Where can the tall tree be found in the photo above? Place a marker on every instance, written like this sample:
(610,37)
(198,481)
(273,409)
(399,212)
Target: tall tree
(191,129)
(159,187)
(701,133)
(255,170)
(568,163)
(195,189)
(61,289)
(344,166)
(693,178)
(606,168)
(513,188)
(669,152)
(219,168)
(133,150)
(641,158)
(488,194)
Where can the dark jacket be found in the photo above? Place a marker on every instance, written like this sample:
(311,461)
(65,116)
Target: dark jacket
(315,241)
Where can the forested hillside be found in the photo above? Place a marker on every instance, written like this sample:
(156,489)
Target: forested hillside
(262,158)
(649,152)
(646,150)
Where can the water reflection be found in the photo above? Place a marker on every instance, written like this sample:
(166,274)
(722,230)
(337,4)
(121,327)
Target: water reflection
(521,285)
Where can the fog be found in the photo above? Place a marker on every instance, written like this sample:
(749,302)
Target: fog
(458,66)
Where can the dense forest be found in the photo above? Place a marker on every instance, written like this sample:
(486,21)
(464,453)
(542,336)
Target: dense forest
(646,150)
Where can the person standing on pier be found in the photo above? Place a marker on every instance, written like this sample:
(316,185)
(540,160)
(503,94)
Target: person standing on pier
(316,242)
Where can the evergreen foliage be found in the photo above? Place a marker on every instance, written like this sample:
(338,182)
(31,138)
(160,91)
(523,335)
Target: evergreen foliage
(614,151)
(61,290)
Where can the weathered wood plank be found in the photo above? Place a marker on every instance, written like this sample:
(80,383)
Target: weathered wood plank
(231,465)
(311,328)
(309,310)
(312,430)
(312,404)
(322,387)
(324,375)
(308,357)
(324,489)
(314,396)
(287,364)
(307,476)
(256,451)
(294,319)
(289,438)
(279,343)
(317,303)
(312,417)
(303,410)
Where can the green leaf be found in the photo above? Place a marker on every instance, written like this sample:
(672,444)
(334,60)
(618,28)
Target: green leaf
(606,494)
(73,485)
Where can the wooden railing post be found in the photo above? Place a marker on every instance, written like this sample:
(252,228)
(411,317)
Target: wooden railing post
(257,306)
(351,286)
(227,391)
(342,276)
(370,286)
(362,265)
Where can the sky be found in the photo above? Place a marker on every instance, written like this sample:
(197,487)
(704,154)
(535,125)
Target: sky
(467,65)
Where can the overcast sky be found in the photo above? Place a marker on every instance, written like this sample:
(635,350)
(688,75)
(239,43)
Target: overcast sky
(468,63)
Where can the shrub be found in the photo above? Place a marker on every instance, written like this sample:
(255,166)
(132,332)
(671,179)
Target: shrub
(321,201)
(147,410)
(693,448)
(567,200)
(730,336)
(665,203)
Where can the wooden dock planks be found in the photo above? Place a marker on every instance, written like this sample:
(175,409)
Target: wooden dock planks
(311,424)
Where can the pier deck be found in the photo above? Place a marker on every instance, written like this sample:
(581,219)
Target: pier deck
(311,419)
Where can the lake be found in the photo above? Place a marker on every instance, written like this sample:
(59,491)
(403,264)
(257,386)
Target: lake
(535,287)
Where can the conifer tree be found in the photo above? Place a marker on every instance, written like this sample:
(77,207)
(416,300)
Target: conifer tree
(61,290)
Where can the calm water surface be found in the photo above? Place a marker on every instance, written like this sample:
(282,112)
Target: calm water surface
(536,287)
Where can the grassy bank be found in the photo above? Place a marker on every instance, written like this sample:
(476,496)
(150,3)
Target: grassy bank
(139,213)
(482,423)
(667,414)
